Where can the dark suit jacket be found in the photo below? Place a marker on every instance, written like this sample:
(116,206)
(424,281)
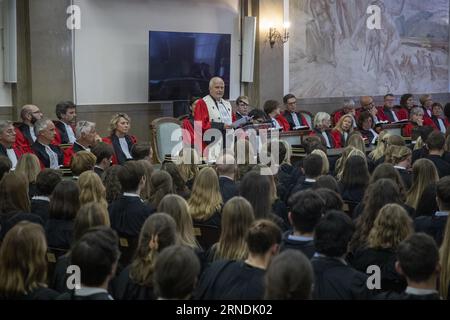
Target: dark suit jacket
(99,171)
(128,214)
(119,157)
(40,208)
(59,233)
(442,166)
(306,247)
(431,225)
(228,188)
(39,151)
(406,177)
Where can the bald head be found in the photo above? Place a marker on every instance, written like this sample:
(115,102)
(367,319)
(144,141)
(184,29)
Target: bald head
(366,101)
(30,113)
(225,165)
(216,88)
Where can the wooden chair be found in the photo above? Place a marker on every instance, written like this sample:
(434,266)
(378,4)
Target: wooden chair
(165,136)
(206,235)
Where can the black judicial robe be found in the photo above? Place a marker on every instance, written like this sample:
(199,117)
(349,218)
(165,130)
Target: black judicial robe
(40,208)
(230,280)
(39,151)
(334,280)
(432,225)
(123,288)
(385,258)
(228,188)
(306,247)
(59,233)
(128,214)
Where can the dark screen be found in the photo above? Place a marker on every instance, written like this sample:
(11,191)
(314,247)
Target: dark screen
(181,64)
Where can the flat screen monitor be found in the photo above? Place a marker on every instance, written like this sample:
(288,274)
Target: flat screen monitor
(182,63)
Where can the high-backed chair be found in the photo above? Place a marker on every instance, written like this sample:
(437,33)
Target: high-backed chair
(309,117)
(166,136)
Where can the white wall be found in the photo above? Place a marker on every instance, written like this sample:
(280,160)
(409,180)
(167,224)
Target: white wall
(111,49)
(5,88)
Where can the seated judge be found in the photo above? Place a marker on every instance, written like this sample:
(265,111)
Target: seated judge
(440,122)
(212,110)
(322,122)
(65,125)
(85,132)
(119,138)
(415,120)
(342,130)
(8,148)
(407,102)
(348,108)
(25,135)
(50,156)
(294,118)
(426,101)
(368,105)
(366,128)
(242,107)
(272,109)
(388,112)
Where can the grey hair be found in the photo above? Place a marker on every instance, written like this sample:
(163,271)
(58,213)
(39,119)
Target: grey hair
(349,103)
(83,127)
(320,116)
(213,80)
(41,125)
(418,111)
(4,124)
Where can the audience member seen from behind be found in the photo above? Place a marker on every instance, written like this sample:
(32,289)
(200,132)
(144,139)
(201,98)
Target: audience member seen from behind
(176,273)
(135,282)
(92,189)
(242,280)
(103,153)
(29,166)
(289,277)
(97,254)
(112,184)
(46,182)
(24,276)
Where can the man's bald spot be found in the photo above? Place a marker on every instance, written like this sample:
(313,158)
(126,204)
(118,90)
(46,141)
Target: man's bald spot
(214,80)
(366,100)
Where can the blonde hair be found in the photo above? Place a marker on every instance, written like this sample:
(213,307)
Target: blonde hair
(380,149)
(90,214)
(157,233)
(424,173)
(338,125)
(22,273)
(396,154)
(391,226)
(92,189)
(188,166)
(325,162)
(444,277)
(346,154)
(178,209)
(82,161)
(205,198)
(356,141)
(148,171)
(30,166)
(115,120)
(237,216)
(319,118)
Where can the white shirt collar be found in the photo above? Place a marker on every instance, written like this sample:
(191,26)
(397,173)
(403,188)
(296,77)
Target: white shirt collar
(420,292)
(44,198)
(70,133)
(84,292)
(310,180)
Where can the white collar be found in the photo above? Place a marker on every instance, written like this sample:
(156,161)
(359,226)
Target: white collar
(400,167)
(44,198)
(420,292)
(310,180)
(131,194)
(86,291)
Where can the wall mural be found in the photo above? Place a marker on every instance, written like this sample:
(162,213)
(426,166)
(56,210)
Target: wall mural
(334,54)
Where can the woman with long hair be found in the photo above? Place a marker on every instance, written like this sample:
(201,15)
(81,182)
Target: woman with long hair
(64,205)
(91,214)
(325,162)
(177,207)
(237,216)
(135,282)
(24,276)
(188,165)
(401,158)
(14,202)
(342,130)
(30,166)
(179,184)
(160,185)
(387,171)
(148,171)
(377,195)
(205,202)
(424,173)
(444,277)
(112,183)
(391,226)
(380,149)
(119,138)
(355,179)
(92,189)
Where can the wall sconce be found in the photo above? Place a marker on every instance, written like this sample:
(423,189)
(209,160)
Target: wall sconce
(276,36)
